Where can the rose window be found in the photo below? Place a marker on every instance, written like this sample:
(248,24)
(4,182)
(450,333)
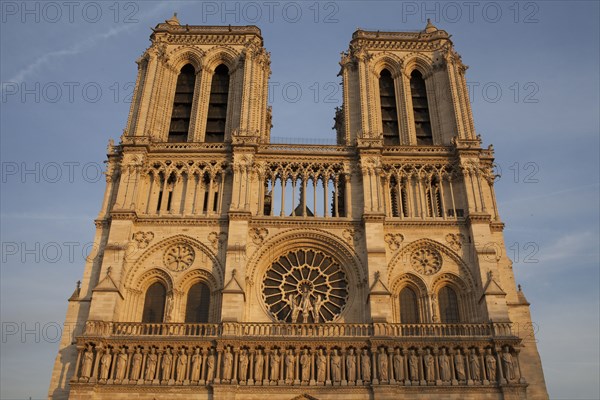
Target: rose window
(305,286)
(179,257)
(426,261)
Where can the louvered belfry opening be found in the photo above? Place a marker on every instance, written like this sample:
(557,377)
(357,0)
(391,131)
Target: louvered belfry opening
(217,106)
(182,105)
(420,109)
(389,113)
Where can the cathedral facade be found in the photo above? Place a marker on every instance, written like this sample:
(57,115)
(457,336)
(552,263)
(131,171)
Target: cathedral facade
(227,267)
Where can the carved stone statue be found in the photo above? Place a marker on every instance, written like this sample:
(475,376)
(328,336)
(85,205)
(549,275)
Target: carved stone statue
(121,364)
(316,310)
(321,366)
(88,362)
(259,361)
(490,364)
(290,359)
(167,363)
(336,363)
(365,366)
(196,363)
(351,365)
(475,366)
(459,365)
(507,364)
(243,365)
(151,365)
(105,364)
(413,363)
(429,366)
(305,363)
(181,365)
(275,359)
(291,302)
(444,361)
(210,366)
(382,365)
(305,305)
(136,365)
(227,364)
(398,370)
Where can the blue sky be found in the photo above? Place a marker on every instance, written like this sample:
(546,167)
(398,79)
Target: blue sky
(534,75)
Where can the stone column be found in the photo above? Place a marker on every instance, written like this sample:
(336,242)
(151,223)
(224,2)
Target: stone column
(250,378)
(422,368)
(391,366)
(374,366)
(93,377)
(80,350)
(218,371)
(234,378)
(202,378)
(499,369)
(344,381)
(483,368)
(438,379)
(312,381)
(266,371)
(405,353)
(328,368)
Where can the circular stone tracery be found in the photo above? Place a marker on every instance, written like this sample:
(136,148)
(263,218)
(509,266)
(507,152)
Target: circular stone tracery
(426,261)
(305,286)
(179,257)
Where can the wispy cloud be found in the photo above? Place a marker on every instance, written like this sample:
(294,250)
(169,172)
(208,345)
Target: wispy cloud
(81,46)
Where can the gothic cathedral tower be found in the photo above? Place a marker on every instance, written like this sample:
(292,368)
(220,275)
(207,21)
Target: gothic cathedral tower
(227,267)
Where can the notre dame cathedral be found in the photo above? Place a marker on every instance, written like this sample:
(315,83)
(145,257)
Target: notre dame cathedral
(227,267)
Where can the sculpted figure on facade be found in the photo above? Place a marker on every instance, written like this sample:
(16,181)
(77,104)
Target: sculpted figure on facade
(365,366)
(413,362)
(351,365)
(210,366)
(507,364)
(305,305)
(290,359)
(196,364)
(398,370)
(259,361)
(88,362)
(305,364)
(321,366)
(136,366)
(382,365)
(459,365)
(444,362)
(227,364)
(275,360)
(105,365)
(316,309)
(181,365)
(151,365)
(295,307)
(336,364)
(121,365)
(490,364)
(167,364)
(243,365)
(429,366)
(475,365)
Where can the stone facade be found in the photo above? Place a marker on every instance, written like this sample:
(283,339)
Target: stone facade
(227,267)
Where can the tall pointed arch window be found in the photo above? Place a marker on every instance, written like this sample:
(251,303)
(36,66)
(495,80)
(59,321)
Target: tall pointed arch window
(154,304)
(409,311)
(448,303)
(198,303)
(182,104)
(420,109)
(217,105)
(389,113)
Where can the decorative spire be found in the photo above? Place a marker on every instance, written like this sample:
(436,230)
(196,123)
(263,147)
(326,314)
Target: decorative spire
(430,27)
(173,20)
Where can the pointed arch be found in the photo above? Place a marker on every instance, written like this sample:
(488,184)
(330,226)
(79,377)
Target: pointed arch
(186,55)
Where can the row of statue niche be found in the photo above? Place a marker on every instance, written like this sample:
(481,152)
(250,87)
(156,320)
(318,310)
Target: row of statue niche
(306,306)
(272,364)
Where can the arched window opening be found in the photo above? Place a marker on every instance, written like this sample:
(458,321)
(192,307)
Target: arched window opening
(217,106)
(389,113)
(448,303)
(154,304)
(409,311)
(434,200)
(420,109)
(198,303)
(182,104)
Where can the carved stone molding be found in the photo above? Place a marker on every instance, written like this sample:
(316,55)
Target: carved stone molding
(455,240)
(258,235)
(143,239)
(216,239)
(394,240)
